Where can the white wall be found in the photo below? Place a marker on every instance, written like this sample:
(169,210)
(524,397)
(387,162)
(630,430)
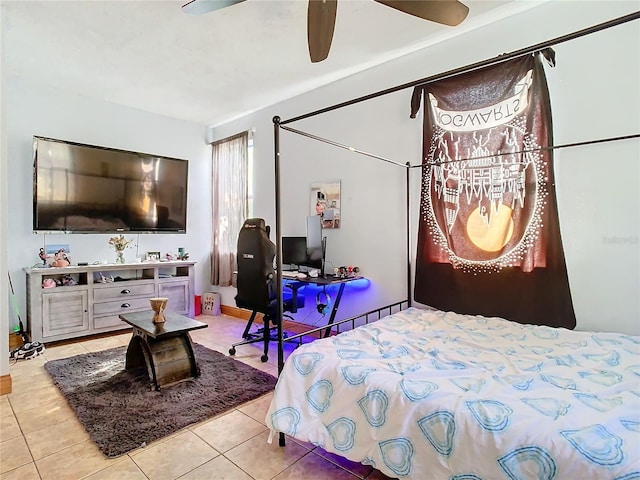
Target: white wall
(32,109)
(594,91)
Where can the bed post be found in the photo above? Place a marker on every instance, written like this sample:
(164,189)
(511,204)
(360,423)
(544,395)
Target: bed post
(276,146)
(407,220)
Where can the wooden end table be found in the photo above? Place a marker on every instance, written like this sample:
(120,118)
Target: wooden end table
(164,348)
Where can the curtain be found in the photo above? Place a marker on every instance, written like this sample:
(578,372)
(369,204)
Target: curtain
(489,238)
(229,204)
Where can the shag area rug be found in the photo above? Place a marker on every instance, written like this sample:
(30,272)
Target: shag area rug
(121,413)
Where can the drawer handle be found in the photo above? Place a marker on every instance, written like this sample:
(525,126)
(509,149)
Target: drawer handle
(125,305)
(125,291)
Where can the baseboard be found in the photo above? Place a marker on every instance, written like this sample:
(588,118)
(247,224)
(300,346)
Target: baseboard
(5,384)
(239,313)
(291,326)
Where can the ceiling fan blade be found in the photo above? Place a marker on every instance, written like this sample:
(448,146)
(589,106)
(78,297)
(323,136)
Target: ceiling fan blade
(321,22)
(446,12)
(198,7)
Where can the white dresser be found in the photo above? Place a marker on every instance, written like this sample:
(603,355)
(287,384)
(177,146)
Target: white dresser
(91,306)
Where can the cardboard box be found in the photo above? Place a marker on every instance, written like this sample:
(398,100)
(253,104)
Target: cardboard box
(15,341)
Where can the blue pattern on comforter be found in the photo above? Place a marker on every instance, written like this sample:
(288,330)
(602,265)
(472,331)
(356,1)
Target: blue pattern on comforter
(432,395)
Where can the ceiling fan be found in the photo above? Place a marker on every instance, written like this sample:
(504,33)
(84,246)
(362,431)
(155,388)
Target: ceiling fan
(321,17)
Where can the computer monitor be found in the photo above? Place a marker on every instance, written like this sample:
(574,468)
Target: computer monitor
(315,244)
(294,251)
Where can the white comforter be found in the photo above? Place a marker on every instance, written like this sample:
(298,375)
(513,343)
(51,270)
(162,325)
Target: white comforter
(432,395)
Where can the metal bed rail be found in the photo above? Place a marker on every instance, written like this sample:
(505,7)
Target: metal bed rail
(376,314)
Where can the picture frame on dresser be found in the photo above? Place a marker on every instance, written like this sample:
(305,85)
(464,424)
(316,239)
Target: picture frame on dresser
(153,257)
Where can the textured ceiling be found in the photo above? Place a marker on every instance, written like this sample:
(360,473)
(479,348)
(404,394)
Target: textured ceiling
(211,68)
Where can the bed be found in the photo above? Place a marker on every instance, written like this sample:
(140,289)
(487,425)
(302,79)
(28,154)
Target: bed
(426,394)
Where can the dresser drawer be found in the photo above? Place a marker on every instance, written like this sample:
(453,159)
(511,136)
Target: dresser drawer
(112,322)
(123,291)
(121,306)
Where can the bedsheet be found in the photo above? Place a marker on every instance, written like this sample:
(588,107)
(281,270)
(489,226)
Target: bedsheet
(426,394)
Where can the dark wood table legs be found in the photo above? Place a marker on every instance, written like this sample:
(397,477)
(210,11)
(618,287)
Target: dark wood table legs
(165,349)
(168,360)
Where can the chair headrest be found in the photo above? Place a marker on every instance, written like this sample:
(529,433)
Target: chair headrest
(254,223)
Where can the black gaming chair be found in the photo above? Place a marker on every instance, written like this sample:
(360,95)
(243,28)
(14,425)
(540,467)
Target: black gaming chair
(255,282)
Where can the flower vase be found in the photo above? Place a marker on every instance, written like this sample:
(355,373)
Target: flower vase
(120,257)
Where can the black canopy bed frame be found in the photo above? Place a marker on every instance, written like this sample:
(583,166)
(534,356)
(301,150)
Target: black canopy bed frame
(280,124)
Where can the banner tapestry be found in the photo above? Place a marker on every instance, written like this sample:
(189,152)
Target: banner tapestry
(489,238)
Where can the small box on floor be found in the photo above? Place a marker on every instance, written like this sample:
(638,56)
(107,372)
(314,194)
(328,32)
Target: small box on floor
(211,303)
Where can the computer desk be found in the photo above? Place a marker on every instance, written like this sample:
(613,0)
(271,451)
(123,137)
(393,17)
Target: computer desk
(324,282)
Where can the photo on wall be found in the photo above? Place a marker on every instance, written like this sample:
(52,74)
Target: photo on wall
(325,201)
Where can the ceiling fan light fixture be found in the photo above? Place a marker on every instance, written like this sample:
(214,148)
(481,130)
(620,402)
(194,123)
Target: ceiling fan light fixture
(199,7)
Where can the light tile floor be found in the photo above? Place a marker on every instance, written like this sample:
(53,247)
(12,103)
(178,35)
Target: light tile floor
(41,439)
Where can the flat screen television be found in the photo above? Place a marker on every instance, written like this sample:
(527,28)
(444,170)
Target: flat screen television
(85,188)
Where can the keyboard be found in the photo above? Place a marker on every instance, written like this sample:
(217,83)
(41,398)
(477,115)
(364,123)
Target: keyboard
(288,274)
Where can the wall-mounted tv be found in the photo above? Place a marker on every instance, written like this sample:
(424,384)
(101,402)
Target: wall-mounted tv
(85,188)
